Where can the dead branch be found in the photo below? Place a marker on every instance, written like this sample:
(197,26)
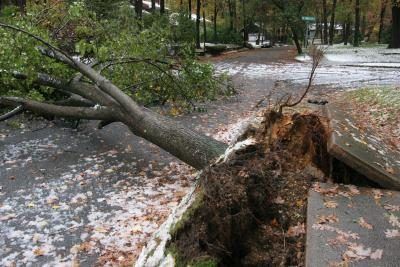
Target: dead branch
(12,113)
(317,55)
(100,113)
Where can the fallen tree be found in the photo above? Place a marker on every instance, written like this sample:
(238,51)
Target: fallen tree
(102,100)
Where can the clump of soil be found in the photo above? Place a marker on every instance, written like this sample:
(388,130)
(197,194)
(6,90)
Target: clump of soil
(251,210)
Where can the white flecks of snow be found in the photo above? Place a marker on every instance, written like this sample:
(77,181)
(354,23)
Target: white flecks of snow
(303,58)
(355,55)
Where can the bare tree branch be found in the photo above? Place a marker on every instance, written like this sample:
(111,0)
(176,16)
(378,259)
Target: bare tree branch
(317,56)
(101,113)
(12,113)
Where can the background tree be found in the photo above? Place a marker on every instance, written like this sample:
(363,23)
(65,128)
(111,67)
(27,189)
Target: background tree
(325,21)
(332,23)
(382,13)
(292,11)
(395,41)
(357,22)
(198,12)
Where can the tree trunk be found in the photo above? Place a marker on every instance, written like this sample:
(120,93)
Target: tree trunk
(363,26)
(153,5)
(139,8)
(198,7)
(245,33)
(21,5)
(190,8)
(395,42)
(191,147)
(231,18)
(215,20)
(357,34)
(162,6)
(325,20)
(332,26)
(382,19)
(297,41)
(235,18)
(204,27)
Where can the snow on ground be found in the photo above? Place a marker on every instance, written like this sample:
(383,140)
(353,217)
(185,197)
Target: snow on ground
(352,55)
(327,74)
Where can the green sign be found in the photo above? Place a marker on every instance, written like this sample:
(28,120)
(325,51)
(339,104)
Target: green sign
(305,18)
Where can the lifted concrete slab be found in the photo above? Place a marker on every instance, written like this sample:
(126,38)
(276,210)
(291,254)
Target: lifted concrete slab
(361,149)
(350,226)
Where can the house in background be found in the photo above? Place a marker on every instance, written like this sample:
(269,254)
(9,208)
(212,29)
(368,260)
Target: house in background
(315,31)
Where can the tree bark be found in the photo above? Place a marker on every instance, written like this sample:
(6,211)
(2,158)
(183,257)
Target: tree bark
(245,32)
(139,8)
(190,8)
(297,41)
(204,26)
(395,42)
(215,20)
(332,26)
(231,18)
(153,5)
(357,34)
(198,7)
(22,5)
(325,21)
(162,6)
(382,20)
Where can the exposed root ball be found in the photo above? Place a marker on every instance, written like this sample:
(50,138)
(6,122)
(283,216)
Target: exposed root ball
(251,210)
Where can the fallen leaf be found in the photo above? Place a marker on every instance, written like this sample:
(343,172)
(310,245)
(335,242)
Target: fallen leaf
(274,223)
(327,219)
(39,252)
(392,233)
(360,251)
(353,190)
(279,200)
(100,229)
(377,255)
(391,208)
(364,224)
(394,220)
(331,204)
(297,230)
(137,229)
(377,194)
(7,217)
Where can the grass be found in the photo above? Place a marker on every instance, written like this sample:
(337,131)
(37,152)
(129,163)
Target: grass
(383,103)
(381,97)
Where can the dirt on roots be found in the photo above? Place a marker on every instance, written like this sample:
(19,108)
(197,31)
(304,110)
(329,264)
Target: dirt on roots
(251,211)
